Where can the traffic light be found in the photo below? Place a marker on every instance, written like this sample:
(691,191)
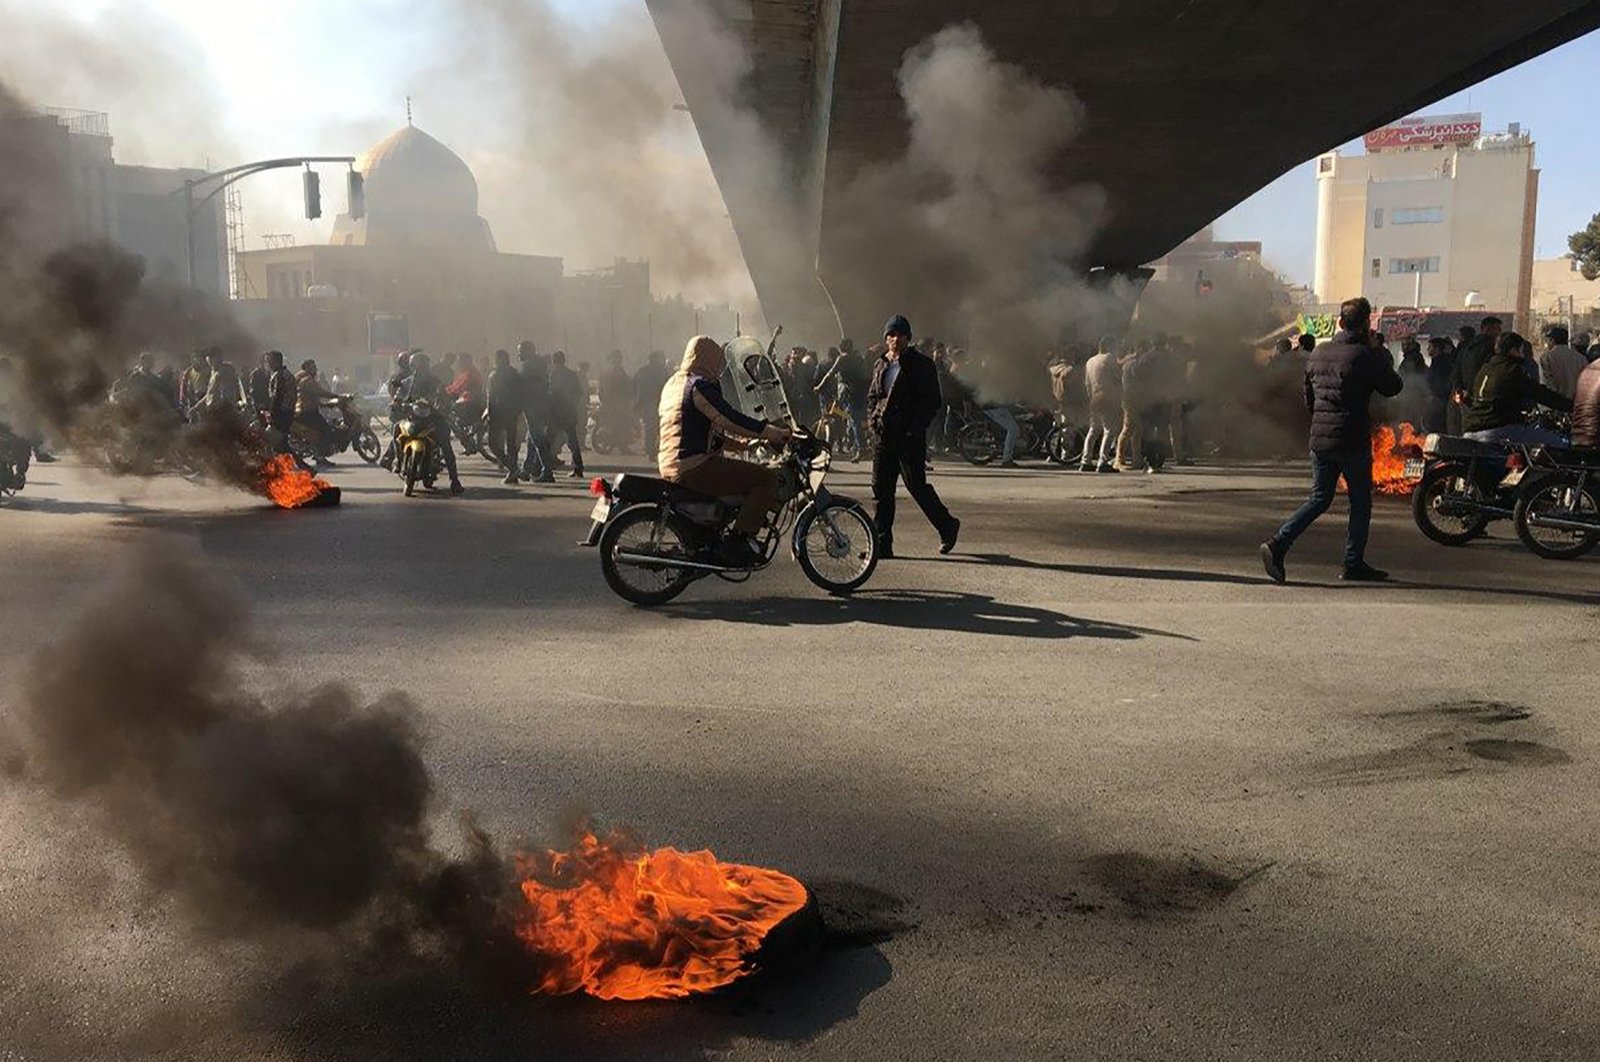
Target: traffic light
(313,190)
(356,188)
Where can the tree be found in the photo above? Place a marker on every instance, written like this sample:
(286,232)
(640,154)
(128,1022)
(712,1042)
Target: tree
(1585,247)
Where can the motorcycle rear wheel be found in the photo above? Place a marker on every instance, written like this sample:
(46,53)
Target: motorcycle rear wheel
(367,447)
(837,547)
(1561,498)
(635,529)
(1436,486)
(1065,446)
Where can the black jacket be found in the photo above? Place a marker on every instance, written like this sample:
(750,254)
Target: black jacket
(1503,393)
(1341,378)
(1470,360)
(906,409)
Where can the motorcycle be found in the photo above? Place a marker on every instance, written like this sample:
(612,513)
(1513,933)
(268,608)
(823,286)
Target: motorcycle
(1063,443)
(1466,484)
(981,441)
(352,430)
(421,458)
(837,427)
(466,421)
(1558,512)
(15,455)
(656,538)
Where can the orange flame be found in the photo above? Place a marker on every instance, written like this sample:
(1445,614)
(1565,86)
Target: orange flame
(1389,456)
(288,485)
(623,924)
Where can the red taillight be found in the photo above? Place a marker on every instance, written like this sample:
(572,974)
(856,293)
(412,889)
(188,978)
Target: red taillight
(597,487)
(1516,461)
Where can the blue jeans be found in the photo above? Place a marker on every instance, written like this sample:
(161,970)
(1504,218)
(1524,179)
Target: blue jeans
(1523,434)
(1326,468)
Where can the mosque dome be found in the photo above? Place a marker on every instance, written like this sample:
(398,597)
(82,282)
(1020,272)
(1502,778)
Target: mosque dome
(419,193)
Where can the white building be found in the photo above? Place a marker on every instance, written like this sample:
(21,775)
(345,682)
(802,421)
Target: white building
(1433,215)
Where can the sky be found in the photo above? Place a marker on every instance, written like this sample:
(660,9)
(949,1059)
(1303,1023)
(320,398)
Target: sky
(232,81)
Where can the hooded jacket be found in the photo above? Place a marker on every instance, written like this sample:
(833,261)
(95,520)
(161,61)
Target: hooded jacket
(695,417)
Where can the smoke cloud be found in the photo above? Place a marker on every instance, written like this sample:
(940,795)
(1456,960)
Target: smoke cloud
(987,246)
(306,814)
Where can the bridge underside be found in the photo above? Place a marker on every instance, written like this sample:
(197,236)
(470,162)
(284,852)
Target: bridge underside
(1191,105)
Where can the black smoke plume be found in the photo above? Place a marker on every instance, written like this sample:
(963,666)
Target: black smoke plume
(255,818)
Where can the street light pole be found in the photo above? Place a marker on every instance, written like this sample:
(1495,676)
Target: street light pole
(226,177)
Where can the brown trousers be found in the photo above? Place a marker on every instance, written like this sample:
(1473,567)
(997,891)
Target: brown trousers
(723,477)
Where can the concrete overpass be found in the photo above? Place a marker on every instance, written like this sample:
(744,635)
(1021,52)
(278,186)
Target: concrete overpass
(1192,104)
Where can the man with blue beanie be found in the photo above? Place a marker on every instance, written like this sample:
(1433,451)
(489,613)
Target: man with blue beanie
(901,404)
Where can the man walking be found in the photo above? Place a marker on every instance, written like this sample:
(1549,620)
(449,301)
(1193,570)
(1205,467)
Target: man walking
(535,375)
(901,403)
(1341,378)
(569,411)
(1102,379)
(505,402)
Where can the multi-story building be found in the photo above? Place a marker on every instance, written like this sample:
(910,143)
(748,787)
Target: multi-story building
(1435,214)
(139,208)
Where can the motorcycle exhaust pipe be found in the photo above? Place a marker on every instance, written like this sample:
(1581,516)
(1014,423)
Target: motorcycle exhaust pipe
(650,560)
(1556,523)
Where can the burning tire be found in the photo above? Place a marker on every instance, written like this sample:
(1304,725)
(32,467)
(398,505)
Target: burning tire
(837,547)
(642,530)
(1558,498)
(1445,506)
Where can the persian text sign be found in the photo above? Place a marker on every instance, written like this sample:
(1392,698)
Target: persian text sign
(1427,131)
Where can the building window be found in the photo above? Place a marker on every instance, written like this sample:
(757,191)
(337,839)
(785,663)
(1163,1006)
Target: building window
(1414,265)
(1325,164)
(1377,267)
(1377,218)
(1417,215)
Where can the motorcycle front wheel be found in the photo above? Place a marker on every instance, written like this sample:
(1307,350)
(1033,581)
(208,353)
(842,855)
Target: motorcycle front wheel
(635,530)
(837,546)
(367,447)
(1441,488)
(1558,498)
(1065,446)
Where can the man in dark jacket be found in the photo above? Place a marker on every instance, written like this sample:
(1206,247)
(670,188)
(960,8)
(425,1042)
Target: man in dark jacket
(1341,378)
(902,401)
(647,385)
(504,409)
(282,393)
(569,411)
(1471,356)
(535,373)
(1502,395)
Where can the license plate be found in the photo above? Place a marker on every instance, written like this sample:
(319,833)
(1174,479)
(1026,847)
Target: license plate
(601,511)
(1415,468)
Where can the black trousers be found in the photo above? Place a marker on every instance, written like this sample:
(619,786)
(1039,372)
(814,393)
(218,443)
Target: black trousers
(504,439)
(906,459)
(565,424)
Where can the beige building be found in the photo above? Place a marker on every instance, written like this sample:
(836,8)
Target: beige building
(421,268)
(1560,290)
(1435,214)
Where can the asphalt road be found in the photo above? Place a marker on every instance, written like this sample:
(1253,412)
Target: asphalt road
(1090,789)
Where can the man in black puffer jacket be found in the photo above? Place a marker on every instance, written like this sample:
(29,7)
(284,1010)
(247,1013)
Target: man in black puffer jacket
(1341,378)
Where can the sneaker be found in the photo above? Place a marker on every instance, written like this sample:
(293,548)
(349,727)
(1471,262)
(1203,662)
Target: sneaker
(1086,468)
(948,544)
(1272,561)
(1364,573)
(576,473)
(1008,464)
(548,477)
(1108,467)
(510,480)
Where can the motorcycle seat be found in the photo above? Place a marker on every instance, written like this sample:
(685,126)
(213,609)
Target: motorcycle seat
(1459,446)
(635,488)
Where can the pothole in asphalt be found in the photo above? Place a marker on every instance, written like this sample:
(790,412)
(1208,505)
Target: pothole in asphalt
(1516,752)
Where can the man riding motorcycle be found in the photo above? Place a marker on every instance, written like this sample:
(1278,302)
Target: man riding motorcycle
(395,387)
(1502,394)
(696,423)
(424,386)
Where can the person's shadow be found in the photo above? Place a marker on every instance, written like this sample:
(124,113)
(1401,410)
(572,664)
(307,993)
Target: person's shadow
(937,610)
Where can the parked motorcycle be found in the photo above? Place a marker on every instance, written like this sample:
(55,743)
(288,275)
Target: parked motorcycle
(421,457)
(1558,509)
(15,455)
(352,430)
(981,441)
(467,423)
(1466,484)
